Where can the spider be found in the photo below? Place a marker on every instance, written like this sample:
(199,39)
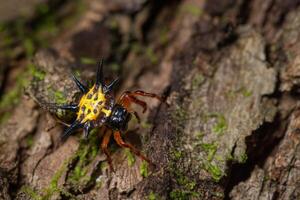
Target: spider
(97,107)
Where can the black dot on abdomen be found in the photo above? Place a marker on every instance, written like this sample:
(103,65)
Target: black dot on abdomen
(89,96)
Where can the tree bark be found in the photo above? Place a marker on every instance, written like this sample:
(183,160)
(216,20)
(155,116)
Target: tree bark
(229,126)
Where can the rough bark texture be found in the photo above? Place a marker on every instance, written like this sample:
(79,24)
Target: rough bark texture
(229,71)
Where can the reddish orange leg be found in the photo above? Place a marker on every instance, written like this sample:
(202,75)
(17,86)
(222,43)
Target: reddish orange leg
(130,97)
(104,144)
(127,98)
(146,94)
(119,140)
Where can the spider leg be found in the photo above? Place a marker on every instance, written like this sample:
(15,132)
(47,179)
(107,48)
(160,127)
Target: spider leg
(99,77)
(72,127)
(127,98)
(61,122)
(81,87)
(146,94)
(126,101)
(72,107)
(130,97)
(109,87)
(119,140)
(88,126)
(104,144)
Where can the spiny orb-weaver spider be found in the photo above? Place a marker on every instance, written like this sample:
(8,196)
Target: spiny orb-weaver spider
(97,108)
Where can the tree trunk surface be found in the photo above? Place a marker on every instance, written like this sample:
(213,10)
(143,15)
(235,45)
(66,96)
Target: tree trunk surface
(228,129)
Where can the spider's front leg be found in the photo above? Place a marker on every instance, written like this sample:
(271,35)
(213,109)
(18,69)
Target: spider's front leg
(105,141)
(120,141)
(127,98)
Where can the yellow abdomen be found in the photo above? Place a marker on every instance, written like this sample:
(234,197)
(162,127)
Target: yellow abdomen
(91,105)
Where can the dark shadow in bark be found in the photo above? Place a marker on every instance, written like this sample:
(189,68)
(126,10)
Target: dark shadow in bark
(259,147)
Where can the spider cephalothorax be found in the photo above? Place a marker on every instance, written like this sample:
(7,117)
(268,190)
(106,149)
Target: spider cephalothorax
(97,108)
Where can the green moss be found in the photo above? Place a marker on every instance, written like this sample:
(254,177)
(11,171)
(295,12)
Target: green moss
(177,194)
(152,196)
(199,135)
(137,48)
(220,158)
(7,39)
(115,67)
(186,186)
(221,125)
(85,154)
(29,140)
(38,74)
(243,158)
(218,194)
(59,97)
(266,177)
(67,194)
(177,154)
(207,162)
(80,7)
(215,172)
(146,125)
(113,23)
(192,9)
(80,170)
(210,149)
(230,94)
(4,117)
(240,91)
(180,114)
(29,47)
(246,93)
(229,157)
(151,55)
(144,169)
(103,166)
(78,173)
(197,80)
(27,39)
(130,157)
(77,73)
(42,9)
(94,151)
(87,61)
(12,97)
(30,192)
(56,177)
(189,185)
(53,187)
(185,182)
(43,27)
(164,36)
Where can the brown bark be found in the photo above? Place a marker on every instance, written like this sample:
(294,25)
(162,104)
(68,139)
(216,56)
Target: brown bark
(229,128)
